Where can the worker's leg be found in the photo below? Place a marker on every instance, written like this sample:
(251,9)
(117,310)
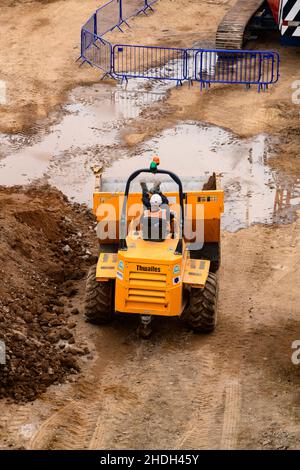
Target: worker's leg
(155,188)
(145,197)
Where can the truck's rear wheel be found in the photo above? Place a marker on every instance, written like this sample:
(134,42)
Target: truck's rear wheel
(99,299)
(201,313)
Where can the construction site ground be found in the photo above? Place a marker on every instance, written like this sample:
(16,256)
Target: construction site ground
(68,384)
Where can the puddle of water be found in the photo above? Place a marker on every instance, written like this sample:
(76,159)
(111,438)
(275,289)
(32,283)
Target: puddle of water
(253,193)
(92,119)
(89,133)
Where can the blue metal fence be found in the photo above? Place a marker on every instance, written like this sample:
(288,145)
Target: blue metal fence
(113,14)
(108,17)
(160,63)
(202,65)
(259,68)
(98,52)
(94,49)
(205,66)
(132,7)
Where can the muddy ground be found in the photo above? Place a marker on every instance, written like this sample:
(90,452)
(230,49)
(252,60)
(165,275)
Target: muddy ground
(236,388)
(101,388)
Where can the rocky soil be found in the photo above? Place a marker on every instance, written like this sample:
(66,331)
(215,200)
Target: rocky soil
(45,247)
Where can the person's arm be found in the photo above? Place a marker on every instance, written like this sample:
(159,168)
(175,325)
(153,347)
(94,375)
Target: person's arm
(146,201)
(164,198)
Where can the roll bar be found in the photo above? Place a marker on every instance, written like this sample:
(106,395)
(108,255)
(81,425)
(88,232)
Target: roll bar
(176,179)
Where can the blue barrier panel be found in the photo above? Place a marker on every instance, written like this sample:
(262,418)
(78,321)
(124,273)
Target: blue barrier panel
(90,24)
(97,51)
(160,63)
(190,64)
(132,7)
(86,38)
(237,67)
(108,17)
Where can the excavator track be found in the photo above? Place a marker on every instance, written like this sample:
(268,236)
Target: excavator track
(231,30)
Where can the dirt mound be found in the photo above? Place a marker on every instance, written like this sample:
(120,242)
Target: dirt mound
(42,254)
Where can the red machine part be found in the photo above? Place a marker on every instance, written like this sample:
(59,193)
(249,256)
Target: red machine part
(274,5)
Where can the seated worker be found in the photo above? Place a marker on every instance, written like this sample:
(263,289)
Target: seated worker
(155,188)
(157,220)
(148,193)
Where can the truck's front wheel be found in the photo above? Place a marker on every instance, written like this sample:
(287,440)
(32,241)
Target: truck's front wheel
(99,299)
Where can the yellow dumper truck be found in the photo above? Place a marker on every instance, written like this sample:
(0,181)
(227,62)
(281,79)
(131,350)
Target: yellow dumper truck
(156,263)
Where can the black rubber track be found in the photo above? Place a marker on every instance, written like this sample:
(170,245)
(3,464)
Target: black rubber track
(98,299)
(231,30)
(201,313)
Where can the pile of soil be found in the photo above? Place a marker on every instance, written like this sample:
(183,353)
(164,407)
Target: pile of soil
(46,245)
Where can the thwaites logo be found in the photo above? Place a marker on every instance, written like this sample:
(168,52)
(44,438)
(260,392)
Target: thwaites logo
(151,269)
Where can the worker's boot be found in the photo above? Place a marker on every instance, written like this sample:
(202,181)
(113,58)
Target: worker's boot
(155,188)
(144,187)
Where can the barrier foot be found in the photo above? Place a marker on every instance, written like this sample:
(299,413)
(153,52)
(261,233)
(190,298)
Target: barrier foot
(102,42)
(108,74)
(125,22)
(124,79)
(86,61)
(119,26)
(204,85)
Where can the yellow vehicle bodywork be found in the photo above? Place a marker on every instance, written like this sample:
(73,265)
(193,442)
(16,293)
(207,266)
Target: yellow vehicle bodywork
(150,278)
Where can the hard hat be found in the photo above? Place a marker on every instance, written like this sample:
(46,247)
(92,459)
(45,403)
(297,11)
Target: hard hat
(155,202)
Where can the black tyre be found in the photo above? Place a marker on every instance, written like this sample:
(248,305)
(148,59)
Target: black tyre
(214,266)
(201,313)
(99,299)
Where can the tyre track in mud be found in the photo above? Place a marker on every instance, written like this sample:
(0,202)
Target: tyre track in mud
(190,375)
(231,415)
(73,425)
(133,406)
(177,390)
(215,426)
(163,393)
(168,394)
